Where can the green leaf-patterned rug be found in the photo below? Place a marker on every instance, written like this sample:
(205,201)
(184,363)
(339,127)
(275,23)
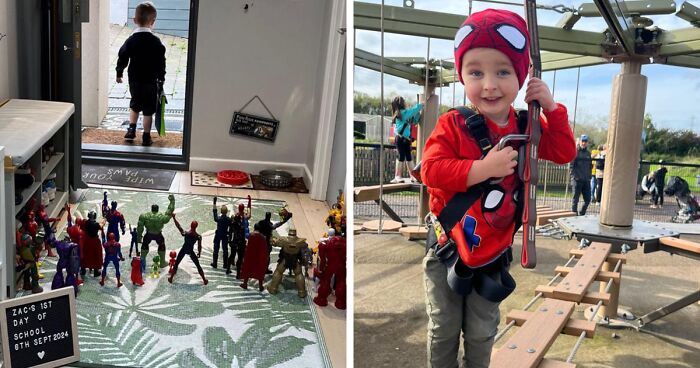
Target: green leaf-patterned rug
(187,324)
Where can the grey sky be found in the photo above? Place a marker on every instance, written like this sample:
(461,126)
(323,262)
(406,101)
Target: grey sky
(672,94)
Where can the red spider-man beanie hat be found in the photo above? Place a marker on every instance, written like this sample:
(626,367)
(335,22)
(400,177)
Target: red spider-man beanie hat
(497,29)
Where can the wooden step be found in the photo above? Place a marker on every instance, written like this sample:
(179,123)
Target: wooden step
(573,326)
(543,219)
(590,297)
(602,276)
(527,347)
(681,244)
(574,286)
(612,257)
(414,232)
(388,225)
(371,193)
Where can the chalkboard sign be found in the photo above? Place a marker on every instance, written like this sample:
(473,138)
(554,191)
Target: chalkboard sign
(40,330)
(254,126)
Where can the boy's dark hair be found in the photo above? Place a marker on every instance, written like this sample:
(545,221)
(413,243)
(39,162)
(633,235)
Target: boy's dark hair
(145,13)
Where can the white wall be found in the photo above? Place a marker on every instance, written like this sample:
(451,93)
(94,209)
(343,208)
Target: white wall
(8,50)
(119,12)
(324,26)
(274,51)
(94,73)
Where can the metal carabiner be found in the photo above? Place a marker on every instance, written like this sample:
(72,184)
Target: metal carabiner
(502,143)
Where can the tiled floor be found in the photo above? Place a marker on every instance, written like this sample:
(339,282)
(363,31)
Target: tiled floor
(309,218)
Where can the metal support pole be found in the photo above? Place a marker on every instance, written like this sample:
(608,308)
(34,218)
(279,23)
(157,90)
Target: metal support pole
(624,132)
(381,119)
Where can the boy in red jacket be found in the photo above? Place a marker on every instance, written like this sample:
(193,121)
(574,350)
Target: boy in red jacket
(468,277)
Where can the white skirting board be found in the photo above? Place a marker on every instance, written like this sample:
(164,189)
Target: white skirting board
(252,167)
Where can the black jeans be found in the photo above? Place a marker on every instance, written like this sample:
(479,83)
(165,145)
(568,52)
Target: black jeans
(581,187)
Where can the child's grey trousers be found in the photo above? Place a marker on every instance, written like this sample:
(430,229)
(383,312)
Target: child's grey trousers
(451,315)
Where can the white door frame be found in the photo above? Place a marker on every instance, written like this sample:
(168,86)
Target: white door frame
(329,101)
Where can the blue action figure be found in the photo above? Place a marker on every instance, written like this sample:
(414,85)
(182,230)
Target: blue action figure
(114,218)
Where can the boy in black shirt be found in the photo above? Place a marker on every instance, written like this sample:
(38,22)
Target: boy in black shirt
(146,56)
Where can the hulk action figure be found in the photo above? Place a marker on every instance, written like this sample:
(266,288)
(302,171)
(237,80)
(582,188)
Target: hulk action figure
(154,222)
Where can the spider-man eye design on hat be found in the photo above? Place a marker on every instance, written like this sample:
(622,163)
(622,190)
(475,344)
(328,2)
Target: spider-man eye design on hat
(501,30)
(462,33)
(513,36)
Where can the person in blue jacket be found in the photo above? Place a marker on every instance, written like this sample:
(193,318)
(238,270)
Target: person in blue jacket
(403,118)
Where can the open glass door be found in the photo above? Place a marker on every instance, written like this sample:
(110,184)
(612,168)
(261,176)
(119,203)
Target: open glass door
(106,102)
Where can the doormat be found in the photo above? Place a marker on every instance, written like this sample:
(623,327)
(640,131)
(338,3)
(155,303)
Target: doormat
(128,177)
(297,186)
(208,179)
(188,324)
(116,137)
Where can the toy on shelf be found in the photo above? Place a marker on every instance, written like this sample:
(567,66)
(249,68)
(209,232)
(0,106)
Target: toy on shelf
(222,235)
(331,266)
(153,223)
(50,185)
(29,270)
(255,261)
(290,254)
(187,249)
(113,253)
(49,233)
(91,246)
(114,218)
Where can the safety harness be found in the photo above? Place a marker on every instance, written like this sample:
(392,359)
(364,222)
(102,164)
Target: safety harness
(462,278)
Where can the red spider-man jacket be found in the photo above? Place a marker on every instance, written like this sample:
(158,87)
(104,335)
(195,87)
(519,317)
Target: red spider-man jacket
(488,226)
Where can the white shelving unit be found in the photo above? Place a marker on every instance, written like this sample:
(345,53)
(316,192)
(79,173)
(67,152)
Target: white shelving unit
(25,127)
(3,238)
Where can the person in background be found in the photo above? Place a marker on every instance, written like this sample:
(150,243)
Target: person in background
(594,154)
(403,118)
(580,172)
(145,54)
(660,179)
(599,171)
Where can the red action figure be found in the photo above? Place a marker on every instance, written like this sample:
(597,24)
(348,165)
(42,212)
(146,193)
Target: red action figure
(255,259)
(331,262)
(171,263)
(91,246)
(136,276)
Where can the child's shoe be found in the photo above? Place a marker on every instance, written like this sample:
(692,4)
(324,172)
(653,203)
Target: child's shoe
(396,180)
(130,133)
(147,141)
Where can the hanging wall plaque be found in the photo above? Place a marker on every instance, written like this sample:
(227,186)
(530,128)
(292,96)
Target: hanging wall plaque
(259,127)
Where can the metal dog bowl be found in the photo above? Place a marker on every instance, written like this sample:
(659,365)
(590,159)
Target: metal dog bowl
(276,178)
